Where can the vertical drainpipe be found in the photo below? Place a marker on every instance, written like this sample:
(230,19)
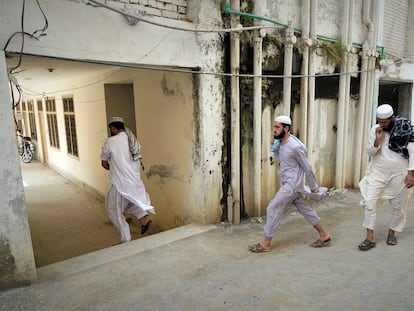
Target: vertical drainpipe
(290,39)
(234,189)
(257,116)
(348,63)
(340,147)
(311,85)
(360,128)
(367,101)
(305,70)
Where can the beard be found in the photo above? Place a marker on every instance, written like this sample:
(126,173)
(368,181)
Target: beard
(280,136)
(389,127)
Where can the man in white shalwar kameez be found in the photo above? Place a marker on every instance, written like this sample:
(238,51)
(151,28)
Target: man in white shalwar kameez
(294,167)
(121,156)
(389,176)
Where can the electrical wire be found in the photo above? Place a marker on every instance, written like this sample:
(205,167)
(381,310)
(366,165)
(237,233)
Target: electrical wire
(219,74)
(35,35)
(146,67)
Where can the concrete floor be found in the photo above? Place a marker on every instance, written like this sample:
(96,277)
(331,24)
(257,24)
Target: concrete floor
(209,268)
(65,221)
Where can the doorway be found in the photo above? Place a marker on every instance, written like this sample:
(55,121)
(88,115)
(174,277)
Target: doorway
(119,101)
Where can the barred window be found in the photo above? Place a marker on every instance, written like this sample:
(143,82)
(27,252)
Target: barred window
(18,114)
(25,127)
(39,105)
(52,123)
(32,122)
(70,126)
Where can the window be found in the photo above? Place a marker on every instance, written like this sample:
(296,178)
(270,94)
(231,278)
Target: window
(52,123)
(32,122)
(25,127)
(39,105)
(70,126)
(19,116)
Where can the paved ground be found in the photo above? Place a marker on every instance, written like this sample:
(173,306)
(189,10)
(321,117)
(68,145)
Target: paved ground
(209,268)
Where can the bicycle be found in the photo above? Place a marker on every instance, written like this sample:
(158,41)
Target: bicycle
(26,148)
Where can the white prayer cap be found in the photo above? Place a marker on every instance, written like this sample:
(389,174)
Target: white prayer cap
(384,111)
(284,120)
(115,119)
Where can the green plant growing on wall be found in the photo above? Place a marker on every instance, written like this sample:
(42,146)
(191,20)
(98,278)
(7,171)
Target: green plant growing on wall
(270,40)
(335,50)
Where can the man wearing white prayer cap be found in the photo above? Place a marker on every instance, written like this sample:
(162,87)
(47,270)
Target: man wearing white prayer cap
(390,173)
(385,111)
(294,167)
(126,194)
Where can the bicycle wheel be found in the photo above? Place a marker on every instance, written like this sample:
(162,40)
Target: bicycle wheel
(27,156)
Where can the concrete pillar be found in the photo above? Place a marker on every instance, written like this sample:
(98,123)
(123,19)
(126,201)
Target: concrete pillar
(235,192)
(290,40)
(17,265)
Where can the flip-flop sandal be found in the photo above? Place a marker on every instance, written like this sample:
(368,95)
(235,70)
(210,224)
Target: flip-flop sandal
(144,228)
(258,248)
(319,243)
(391,240)
(366,245)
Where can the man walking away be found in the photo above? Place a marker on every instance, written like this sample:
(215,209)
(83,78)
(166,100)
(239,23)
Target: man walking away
(121,156)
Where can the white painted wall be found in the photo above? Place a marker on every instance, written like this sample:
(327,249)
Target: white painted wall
(182,152)
(329,15)
(179,115)
(17,264)
(80,31)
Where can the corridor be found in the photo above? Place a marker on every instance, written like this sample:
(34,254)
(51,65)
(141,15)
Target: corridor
(65,221)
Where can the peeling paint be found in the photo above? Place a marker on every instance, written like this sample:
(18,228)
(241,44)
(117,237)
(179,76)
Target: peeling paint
(162,171)
(170,92)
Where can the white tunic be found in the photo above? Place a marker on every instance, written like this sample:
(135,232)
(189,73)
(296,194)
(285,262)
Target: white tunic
(386,167)
(384,180)
(124,173)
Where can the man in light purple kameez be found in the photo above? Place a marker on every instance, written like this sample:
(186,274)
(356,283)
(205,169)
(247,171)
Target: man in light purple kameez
(294,167)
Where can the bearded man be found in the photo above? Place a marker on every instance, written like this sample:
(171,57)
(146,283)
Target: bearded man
(390,173)
(294,167)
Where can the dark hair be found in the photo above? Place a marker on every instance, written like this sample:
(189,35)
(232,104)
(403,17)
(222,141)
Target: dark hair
(117,125)
(284,125)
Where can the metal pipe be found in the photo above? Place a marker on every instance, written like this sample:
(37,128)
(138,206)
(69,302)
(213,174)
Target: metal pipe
(340,138)
(234,211)
(311,85)
(360,128)
(368,100)
(347,157)
(257,119)
(305,42)
(257,124)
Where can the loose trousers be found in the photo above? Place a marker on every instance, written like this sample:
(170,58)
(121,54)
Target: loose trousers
(283,198)
(116,205)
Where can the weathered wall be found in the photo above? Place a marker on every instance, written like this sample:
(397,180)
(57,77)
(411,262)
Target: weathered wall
(329,16)
(179,114)
(17,266)
(84,32)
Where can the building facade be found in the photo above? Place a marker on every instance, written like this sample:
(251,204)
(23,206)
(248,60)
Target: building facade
(200,83)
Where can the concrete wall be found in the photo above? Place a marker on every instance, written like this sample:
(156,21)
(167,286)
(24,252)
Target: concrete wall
(168,126)
(84,32)
(17,266)
(178,114)
(329,16)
